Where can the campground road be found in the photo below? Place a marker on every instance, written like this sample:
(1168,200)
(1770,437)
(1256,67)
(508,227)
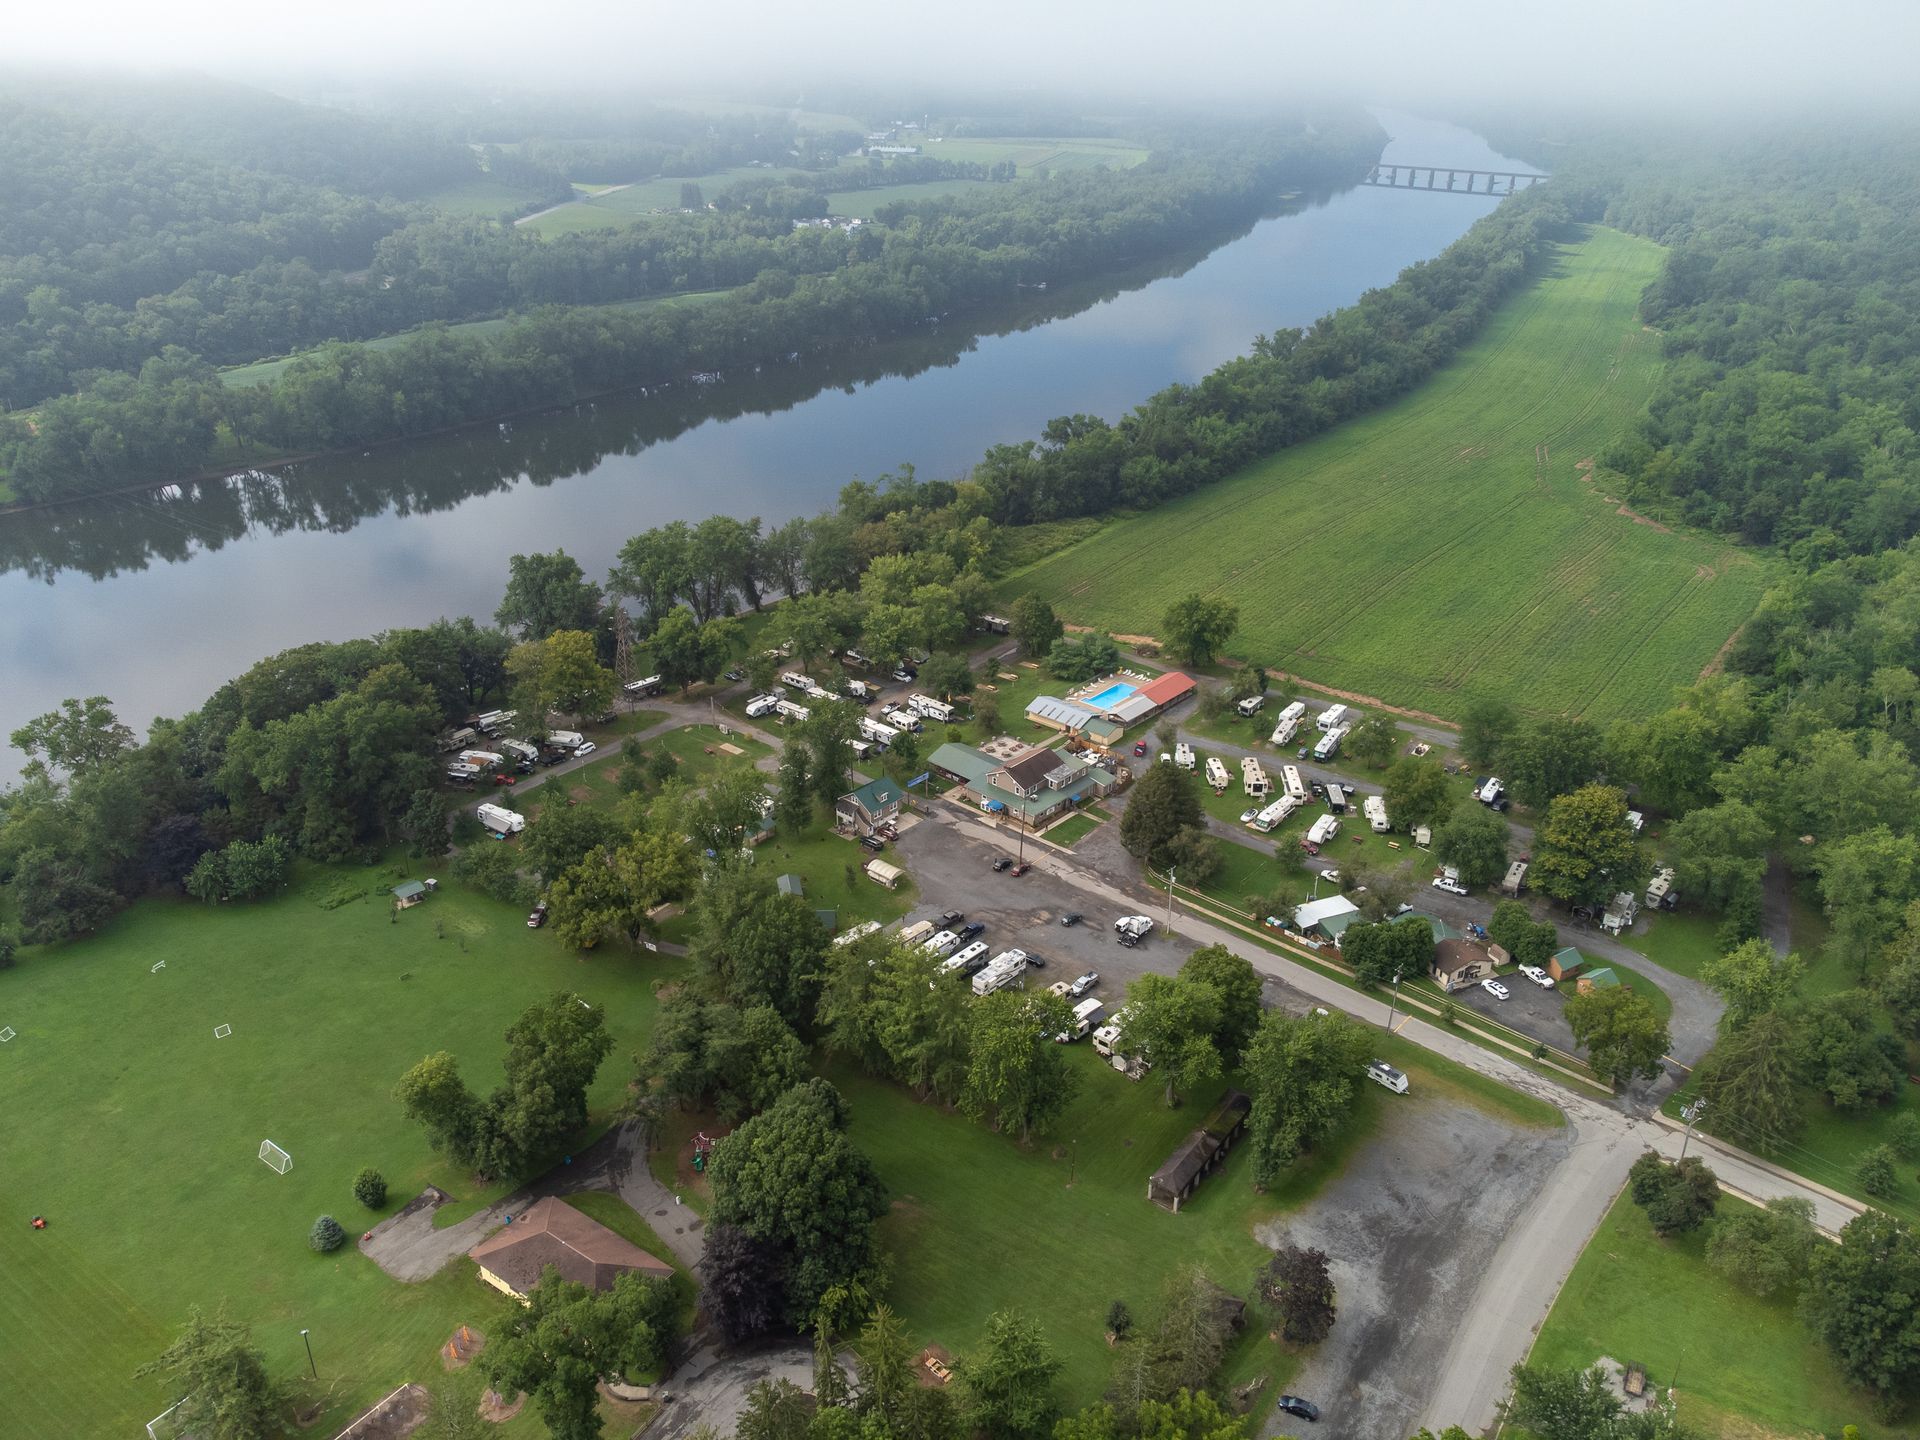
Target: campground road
(949,852)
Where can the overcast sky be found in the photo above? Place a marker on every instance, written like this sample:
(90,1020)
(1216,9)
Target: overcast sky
(1761,50)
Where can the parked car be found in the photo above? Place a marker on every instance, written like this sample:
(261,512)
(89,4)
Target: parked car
(1537,976)
(970,929)
(1072,917)
(538,917)
(1021,869)
(1003,863)
(873,843)
(1139,747)
(1452,887)
(1298,1408)
(736,676)
(585,747)
(950,919)
(1495,989)
(1247,815)
(1036,960)
(1082,985)
(1301,753)
(903,675)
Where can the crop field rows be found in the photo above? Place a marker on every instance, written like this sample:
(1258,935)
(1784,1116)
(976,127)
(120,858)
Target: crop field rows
(1459,541)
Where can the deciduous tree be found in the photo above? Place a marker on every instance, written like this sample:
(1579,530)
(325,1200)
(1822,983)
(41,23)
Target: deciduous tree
(1859,1300)
(1171,1022)
(1195,627)
(1298,1284)
(1765,1252)
(1016,1074)
(1586,851)
(1304,1072)
(1164,801)
(546,593)
(222,1379)
(1623,1035)
(1675,1198)
(1238,987)
(1416,792)
(1473,840)
(1374,741)
(78,736)
(1034,625)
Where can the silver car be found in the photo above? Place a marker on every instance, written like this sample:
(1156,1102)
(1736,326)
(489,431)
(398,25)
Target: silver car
(1494,988)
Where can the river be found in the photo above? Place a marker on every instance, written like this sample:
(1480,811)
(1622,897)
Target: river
(154,601)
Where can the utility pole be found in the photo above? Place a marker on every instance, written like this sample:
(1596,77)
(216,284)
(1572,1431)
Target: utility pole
(1690,1114)
(310,1365)
(1393,1003)
(1170,875)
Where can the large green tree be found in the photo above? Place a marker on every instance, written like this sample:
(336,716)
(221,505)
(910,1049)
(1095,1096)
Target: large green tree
(561,672)
(1034,625)
(78,736)
(1586,851)
(1238,987)
(1751,1083)
(1473,839)
(1549,758)
(1009,1381)
(1623,1035)
(1304,1072)
(1162,803)
(222,1378)
(1016,1075)
(546,593)
(791,1178)
(1860,1302)
(1196,626)
(1417,792)
(1171,1022)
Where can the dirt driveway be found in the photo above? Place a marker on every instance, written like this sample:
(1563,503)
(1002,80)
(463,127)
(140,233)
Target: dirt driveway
(1409,1229)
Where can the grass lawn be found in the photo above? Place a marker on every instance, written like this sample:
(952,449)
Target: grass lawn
(1680,940)
(482,196)
(1662,1005)
(1074,829)
(1588,610)
(823,859)
(695,748)
(863,203)
(980,1224)
(136,1132)
(1734,1358)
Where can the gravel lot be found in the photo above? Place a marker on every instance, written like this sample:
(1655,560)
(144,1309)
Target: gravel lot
(1530,1009)
(1410,1229)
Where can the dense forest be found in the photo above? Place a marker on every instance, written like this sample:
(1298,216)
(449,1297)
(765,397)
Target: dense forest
(115,314)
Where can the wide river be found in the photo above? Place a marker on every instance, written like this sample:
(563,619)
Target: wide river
(155,601)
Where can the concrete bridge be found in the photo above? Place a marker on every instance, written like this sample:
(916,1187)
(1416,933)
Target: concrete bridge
(1452,180)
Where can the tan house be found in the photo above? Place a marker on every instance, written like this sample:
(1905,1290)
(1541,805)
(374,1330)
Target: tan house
(552,1232)
(1460,963)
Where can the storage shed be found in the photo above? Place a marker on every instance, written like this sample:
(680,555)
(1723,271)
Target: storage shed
(1195,1157)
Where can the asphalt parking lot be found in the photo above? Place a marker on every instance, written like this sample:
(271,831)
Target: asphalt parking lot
(1408,1244)
(1529,1009)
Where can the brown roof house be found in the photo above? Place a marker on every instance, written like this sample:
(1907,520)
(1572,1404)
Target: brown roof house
(552,1232)
(1460,963)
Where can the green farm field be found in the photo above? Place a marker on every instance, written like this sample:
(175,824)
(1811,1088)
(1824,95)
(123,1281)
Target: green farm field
(1458,542)
(136,1132)
(482,197)
(1029,152)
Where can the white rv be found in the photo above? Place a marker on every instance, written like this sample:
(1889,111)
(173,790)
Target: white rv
(790,711)
(1183,756)
(1216,774)
(1086,1015)
(1285,730)
(1329,743)
(1331,716)
(876,732)
(1375,807)
(1293,783)
(1003,970)
(857,933)
(1250,706)
(500,821)
(794,680)
(1275,814)
(942,944)
(930,708)
(1253,778)
(1323,830)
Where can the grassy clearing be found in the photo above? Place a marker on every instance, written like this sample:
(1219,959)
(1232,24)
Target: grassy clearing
(863,203)
(1073,829)
(1734,1358)
(1030,152)
(135,1131)
(1456,541)
(1679,940)
(696,750)
(482,196)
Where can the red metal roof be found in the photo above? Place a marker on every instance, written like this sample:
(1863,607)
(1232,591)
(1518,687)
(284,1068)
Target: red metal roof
(1168,688)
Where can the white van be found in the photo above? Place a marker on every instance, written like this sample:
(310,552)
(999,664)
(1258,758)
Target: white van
(1382,1073)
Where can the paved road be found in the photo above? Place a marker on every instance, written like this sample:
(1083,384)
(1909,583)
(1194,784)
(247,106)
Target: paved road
(950,855)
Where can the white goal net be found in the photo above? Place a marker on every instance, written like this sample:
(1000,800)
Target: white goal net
(274,1158)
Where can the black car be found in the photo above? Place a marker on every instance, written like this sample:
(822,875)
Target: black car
(1038,962)
(1302,1409)
(1003,863)
(873,843)
(951,919)
(970,929)
(1072,917)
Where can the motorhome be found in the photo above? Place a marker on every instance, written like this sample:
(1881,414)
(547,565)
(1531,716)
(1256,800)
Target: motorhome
(1275,814)
(1183,756)
(1003,970)
(1329,744)
(966,960)
(1216,774)
(1330,717)
(1293,782)
(1516,880)
(1337,799)
(1375,807)
(1253,778)
(1250,706)
(941,944)
(1660,887)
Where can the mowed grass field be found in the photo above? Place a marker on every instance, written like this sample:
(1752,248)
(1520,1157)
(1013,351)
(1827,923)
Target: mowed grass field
(136,1133)
(1457,542)
(1743,1367)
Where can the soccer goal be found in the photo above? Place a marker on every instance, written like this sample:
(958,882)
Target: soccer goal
(274,1158)
(6,1033)
(165,1425)
(220,1032)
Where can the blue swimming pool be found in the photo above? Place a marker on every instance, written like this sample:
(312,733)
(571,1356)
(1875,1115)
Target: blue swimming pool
(1112,695)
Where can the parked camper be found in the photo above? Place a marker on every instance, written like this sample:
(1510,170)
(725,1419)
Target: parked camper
(1086,1015)
(1329,744)
(1331,717)
(640,689)
(996,624)
(787,710)
(1216,774)
(1660,887)
(460,739)
(1253,777)
(942,943)
(966,959)
(857,933)
(1295,712)
(1636,822)
(913,934)
(485,759)
(1382,1073)
(1323,830)
(1490,790)
(1250,706)
(1183,756)
(860,690)
(499,820)
(566,739)
(1275,814)
(1130,930)
(762,705)
(521,750)
(876,732)
(1292,782)
(930,708)
(819,692)
(1285,730)
(1006,968)
(1337,799)
(1375,808)
(1516,880)
(463,774)
(794,680)
(863,749)
(494,721)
